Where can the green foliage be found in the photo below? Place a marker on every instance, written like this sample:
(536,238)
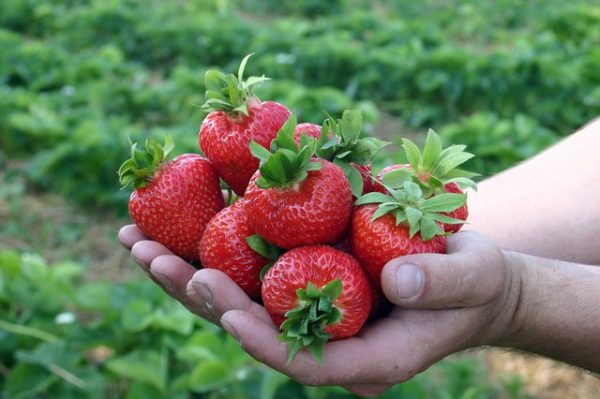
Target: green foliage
(64,337)
(77,77)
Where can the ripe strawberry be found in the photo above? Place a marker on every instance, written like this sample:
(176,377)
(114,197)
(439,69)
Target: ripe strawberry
(309,129)
(404,223)
(173,200)
(236,116)
(314,294)
(225,246)
(374,243)
(295,199)
(436,171)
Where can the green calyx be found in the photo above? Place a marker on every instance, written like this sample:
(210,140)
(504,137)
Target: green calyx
(342,142)
(229,93)
(438,166)
(140,168)
(408,204)
(266,250)
(286,165)
(305,325)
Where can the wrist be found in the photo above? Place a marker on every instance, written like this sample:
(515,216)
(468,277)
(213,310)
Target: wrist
(505,322)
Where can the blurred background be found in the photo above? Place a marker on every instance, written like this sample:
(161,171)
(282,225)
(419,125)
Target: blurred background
(77,77)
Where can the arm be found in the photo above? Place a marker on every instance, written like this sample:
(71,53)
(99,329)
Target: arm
(557,314)
(549,205)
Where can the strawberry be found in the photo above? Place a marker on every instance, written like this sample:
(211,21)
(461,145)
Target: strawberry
(436,171)
(314,294)
(404,223)
(295,199)
(173,201)
(236,116)
(309,129)
(227,245)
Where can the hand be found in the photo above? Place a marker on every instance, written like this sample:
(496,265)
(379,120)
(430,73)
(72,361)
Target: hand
(193,288)
(445,303)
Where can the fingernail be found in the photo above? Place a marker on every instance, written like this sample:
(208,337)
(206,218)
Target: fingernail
(204,292)
(409,281)
(164,280)
(229,328)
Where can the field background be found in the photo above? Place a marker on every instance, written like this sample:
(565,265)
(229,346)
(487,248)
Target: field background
(77,77)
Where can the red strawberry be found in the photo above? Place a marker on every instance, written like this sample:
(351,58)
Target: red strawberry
(405,222)
(374,243)
(314,294)
(224,246)
(461,213)
(173,200)
(310,129)
(295,199)
(236,117)
(436,171)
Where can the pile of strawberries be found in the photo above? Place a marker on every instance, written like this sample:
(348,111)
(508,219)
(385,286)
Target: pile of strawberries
(312,228)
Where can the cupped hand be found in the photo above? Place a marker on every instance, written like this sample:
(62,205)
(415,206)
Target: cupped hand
(445,303)
(195,289)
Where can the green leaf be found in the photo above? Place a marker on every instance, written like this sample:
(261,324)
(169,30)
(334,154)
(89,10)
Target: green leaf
(412,189)
(384,210)
(356,181)
(10,263)
(450,162)
(27,381)
(242,67)
(365,149)
(414,217)
(444,202)
(431,150)
(373,198)
(429,228)
(209,375)
(136,315)
(148,366)
(351,124)
(285,136)
(413,154)
(200,347)
(396,178)
(464,183)
(259,151)
(263,248)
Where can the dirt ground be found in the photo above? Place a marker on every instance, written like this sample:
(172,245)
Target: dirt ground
(543,378)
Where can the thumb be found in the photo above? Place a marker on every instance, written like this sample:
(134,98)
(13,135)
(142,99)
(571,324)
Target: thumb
(471,274)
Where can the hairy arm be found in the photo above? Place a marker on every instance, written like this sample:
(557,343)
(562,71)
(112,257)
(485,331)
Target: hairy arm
(549,205)
(556,311)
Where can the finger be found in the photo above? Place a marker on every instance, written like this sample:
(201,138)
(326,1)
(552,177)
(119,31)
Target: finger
(214,290)
(173,273)
(348,361)
(129,235)
(145,251)
(471,274)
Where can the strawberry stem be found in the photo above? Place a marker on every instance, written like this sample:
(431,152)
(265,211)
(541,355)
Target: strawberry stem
(437,166)
(410,206)
(341,142)
(230,93)
(305,325)
(287,164)
(140,167)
